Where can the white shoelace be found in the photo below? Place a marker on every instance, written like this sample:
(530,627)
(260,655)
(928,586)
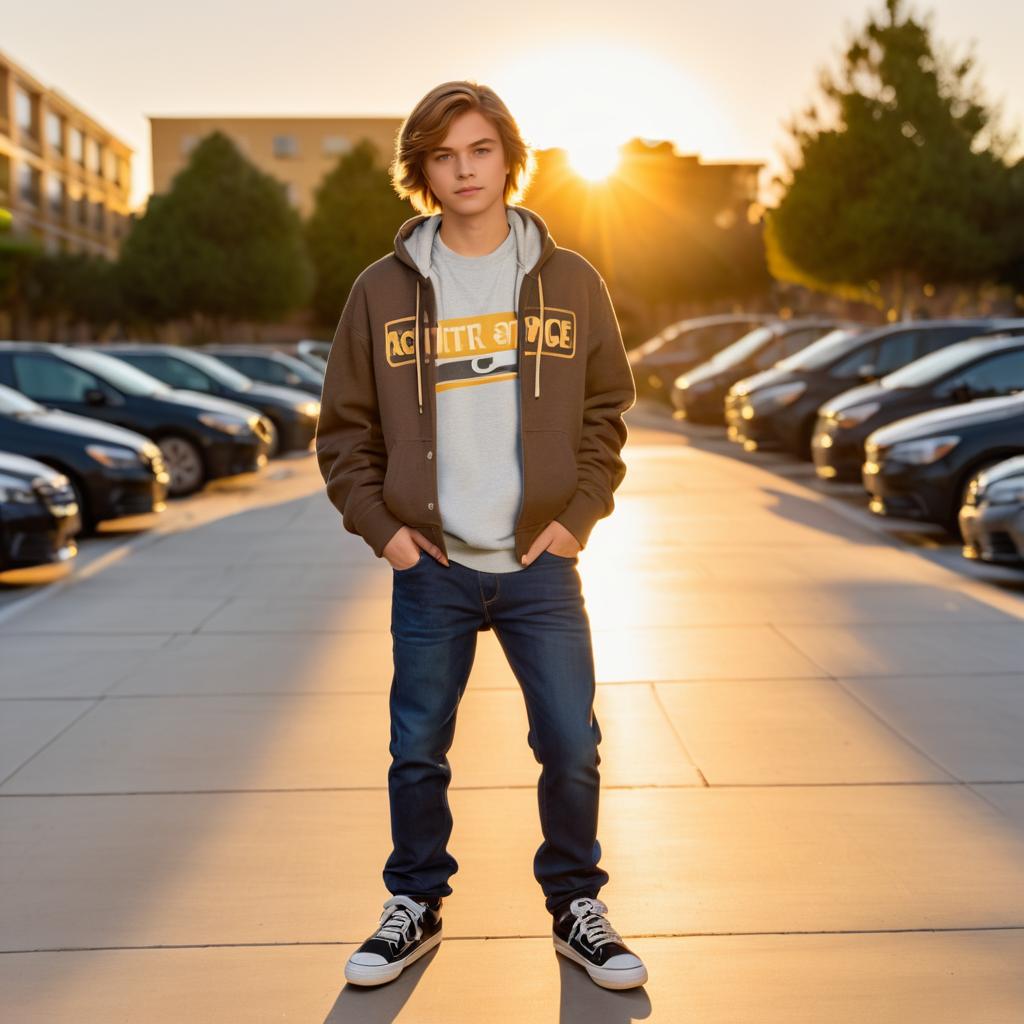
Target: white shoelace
(590,922)
(400,912)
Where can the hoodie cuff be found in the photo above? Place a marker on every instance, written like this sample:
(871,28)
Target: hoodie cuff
(581,515)
(377,526)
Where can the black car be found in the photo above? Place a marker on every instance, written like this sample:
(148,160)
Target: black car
(39,516)
(201,437)
(986,366)
(113,472)
(269,366)
(992,515)
(921,467)
(778,409)
(699,395)
(293,413)
(683,345)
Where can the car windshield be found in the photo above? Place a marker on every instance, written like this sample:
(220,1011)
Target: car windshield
(129,379)
(14,403)
(823,352)
(220,372)
(742,348)
(931,367)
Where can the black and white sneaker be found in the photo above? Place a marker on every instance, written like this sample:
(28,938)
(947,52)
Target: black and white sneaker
(408,929)
(583,934)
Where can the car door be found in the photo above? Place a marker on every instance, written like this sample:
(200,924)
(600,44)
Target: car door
(176,373)
(1001,373)
(53,382)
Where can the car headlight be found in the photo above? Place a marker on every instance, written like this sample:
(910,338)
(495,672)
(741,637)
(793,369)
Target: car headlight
(777,397)
(924,452)
(226,424)
(311,409)
(855,415)
(1004,492)
(113,457)
(16,491)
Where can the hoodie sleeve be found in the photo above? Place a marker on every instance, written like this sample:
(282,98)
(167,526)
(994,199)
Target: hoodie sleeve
(350,447)
(610,391)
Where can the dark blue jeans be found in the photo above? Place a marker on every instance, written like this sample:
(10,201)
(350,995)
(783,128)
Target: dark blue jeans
(540,620)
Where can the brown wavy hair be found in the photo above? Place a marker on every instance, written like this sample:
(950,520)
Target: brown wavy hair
(426,127)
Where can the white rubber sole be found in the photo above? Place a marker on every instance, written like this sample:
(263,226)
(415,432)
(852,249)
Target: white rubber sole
(627,977)
(360,974)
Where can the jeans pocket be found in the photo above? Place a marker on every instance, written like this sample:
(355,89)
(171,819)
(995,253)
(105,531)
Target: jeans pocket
(416,564)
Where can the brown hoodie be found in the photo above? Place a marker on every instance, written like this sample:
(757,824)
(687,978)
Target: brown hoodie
(376,436)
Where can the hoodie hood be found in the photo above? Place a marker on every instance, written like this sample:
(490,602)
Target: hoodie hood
(414,243)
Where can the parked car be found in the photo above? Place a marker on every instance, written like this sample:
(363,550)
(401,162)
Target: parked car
(39,516)
(268,366)
(314,352)
(778,408)
(699,395)
(112,472)
(293,413)
(200,437)
(921,467)
(985,366)
(992,515)
(685,344)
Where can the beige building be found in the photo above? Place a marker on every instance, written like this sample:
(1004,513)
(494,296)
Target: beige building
(298,151)
(65,179)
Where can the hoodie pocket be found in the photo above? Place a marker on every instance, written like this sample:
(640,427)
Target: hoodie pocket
(549,467)
(406,482)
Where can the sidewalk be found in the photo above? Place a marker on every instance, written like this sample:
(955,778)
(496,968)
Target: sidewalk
(813,775)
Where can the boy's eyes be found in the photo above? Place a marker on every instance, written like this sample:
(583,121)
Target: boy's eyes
(481,149)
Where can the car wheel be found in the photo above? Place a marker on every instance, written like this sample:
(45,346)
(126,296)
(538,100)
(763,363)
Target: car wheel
(184,463)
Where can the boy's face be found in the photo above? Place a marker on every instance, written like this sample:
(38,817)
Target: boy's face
(467,170)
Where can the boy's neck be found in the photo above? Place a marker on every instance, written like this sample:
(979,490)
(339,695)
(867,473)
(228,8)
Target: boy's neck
(475,235)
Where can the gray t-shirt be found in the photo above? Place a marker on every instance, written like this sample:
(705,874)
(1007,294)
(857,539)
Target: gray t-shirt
(479,456)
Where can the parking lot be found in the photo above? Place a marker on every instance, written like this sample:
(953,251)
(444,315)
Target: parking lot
(812,766)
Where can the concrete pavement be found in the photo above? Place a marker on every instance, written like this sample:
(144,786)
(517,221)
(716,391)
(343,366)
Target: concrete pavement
(813,773)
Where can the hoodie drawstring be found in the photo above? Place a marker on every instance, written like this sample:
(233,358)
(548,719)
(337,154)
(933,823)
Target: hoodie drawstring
(419,370)
(540,338)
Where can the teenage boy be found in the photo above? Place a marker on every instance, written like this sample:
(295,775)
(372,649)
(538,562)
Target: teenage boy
(470,431)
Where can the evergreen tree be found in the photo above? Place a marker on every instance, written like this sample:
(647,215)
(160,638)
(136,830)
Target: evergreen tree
(223,242)
(902,181)
(354,221)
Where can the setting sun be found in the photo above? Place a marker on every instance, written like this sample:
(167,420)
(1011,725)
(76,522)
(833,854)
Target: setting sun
(594,159)
(589,98)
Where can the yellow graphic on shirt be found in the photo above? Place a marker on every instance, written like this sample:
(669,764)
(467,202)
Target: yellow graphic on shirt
(473,350)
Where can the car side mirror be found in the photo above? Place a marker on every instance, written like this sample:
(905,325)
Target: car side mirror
(95,396)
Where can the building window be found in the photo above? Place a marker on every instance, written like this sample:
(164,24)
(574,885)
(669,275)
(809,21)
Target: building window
(91,153)
(25,108)
(99,156)
(28,184)
(77,146)
(100,215)
(55,195)
(188,143)
(55,131)
(335,145)
(5,175)
(285,146)
(83,210)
